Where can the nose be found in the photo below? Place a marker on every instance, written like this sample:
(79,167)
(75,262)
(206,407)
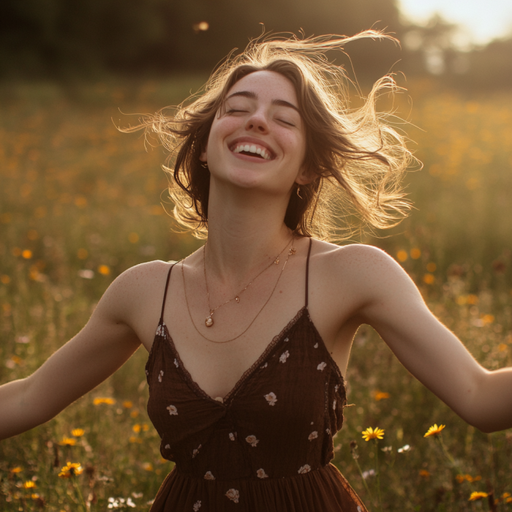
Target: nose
(257,122)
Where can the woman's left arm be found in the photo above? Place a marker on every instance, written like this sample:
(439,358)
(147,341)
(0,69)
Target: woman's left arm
(393,306)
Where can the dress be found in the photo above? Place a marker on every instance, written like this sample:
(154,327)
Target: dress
(267,446)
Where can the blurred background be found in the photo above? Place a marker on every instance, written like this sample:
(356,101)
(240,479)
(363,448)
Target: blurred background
(467,43)
(81,202)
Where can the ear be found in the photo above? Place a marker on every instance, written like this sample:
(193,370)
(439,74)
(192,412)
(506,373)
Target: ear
(305,176)
(203,156)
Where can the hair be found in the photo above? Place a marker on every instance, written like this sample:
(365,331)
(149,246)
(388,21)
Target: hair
(356,157)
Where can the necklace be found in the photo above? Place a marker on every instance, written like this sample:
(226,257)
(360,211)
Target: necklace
(291,252)
(209,319)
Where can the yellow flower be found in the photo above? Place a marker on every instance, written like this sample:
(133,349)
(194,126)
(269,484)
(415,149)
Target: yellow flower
(70,470)
(134,440)
(68,441)
(137,428)
(370,433)
(434,430)
(17,469)
(477,496)
(29,484)
(100,400)
(127,404)
(381,395)
(424,473)
(77,432)
(147,466)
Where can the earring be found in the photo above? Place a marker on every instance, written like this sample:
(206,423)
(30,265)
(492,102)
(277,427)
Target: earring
(298,192)
(204,165)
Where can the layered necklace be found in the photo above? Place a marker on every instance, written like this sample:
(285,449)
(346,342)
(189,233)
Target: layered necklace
(209,319)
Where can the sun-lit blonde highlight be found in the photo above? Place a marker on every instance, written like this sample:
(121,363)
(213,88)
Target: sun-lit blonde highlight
(355,155)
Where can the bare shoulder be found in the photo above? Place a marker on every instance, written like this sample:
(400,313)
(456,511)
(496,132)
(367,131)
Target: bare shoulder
(365,272)
(135,286)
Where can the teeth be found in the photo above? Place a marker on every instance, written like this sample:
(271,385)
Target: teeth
(252,148)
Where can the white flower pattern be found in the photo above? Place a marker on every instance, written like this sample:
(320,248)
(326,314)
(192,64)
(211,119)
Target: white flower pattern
(321,366)
(252,440)
(304,469)
(160,375)
(271,398)
(209,476)
(172,410)
(284,356)
(233,495)
(313,435)
(197,506)
(261,473)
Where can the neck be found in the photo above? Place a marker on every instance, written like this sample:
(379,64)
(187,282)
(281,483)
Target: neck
(245,231)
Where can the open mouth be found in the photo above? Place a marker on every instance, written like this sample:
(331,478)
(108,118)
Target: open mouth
(253,150)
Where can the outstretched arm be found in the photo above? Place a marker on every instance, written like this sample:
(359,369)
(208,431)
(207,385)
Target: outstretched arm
(430,351)
(96,352)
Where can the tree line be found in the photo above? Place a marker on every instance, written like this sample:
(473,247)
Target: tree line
(89,38)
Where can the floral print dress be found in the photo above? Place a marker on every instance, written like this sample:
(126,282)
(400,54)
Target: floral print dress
(267,446)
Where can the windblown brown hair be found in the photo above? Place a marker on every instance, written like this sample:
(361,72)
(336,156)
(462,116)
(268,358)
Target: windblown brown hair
(356,157)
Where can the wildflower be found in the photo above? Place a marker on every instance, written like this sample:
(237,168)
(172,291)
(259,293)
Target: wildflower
(370,433)
(404,448)
(402,256)
(17,469)
(380,395)
(70,470)
(429,278)
(147,466)
(29,484)
(68,441)
(369,473)
(26,254)
(424,473)
(104,270)
(135,440)
(100,400)
(477,496)
(431,267)
(434,430)
(415,253)
(77,432)
(127,404)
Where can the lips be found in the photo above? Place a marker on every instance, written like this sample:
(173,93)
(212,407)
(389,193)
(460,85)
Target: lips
(252,148)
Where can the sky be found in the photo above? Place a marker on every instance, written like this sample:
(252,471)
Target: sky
(482,20)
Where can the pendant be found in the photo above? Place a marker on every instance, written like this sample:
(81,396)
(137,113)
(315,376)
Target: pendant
(209,321)
(237,298)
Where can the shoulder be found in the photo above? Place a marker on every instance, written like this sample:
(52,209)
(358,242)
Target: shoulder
(366,272)
(136,285)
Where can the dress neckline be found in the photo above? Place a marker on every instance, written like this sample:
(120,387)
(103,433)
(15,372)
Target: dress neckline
(247,373)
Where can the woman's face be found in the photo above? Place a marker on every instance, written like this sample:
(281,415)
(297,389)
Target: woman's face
(257,139)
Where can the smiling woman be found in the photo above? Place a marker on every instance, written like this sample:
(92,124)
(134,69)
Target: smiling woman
(359,159)
(254,330)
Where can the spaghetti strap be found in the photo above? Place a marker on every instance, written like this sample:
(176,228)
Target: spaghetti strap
(165,292)
(307,272)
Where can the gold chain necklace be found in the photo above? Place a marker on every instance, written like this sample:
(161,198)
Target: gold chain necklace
(209,319)
(291,252)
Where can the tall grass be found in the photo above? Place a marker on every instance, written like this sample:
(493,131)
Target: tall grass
(80,203)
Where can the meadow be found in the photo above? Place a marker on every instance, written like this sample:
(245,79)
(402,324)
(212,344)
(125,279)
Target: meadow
(80,202)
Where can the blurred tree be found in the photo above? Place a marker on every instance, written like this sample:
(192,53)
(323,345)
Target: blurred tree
(86,37)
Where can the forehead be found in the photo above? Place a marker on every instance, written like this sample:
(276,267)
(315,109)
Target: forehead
(266,85)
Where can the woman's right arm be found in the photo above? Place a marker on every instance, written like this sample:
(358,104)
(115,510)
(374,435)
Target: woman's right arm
(97,351)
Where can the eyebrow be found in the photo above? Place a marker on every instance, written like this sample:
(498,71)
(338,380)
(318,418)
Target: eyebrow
(253,96)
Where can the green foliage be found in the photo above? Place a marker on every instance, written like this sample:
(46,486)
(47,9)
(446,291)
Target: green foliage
(80,203)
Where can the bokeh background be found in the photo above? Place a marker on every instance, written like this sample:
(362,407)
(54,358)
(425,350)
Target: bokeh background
(80,202)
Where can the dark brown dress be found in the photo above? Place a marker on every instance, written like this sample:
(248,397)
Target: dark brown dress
(267,446)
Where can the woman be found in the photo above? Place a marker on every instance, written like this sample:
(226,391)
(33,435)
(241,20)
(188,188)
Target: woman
(255,328)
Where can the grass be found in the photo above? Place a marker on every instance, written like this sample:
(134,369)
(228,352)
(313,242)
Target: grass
(80,203)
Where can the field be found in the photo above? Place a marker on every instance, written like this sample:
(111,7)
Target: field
(81,202)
